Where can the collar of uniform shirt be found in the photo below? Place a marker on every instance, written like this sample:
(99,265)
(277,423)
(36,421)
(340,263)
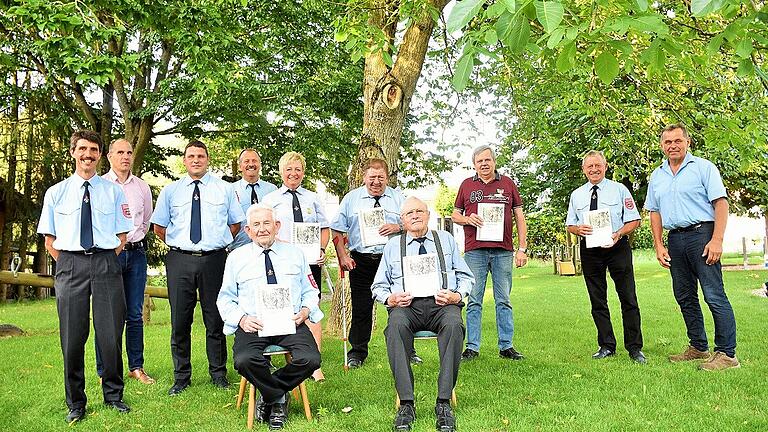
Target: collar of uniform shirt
(600,185)
(284,189)
(93,181)
(410,239)
(112,175)
(204,179)
(688,159)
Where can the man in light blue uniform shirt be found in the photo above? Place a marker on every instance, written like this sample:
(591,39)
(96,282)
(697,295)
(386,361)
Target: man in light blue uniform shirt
(362,261)
(440,313)
(686,196)
(616,257)
(249,189)
(85,219)
(197,217)
(255,265)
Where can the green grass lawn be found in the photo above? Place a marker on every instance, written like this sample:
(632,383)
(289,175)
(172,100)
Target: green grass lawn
(558,387)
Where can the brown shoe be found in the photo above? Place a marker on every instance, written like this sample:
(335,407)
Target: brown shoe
(720,361)
(689,354)
(142,376)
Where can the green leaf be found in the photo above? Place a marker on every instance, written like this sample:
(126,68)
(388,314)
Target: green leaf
(549,14)
(490,37)
(746,68)
(519,34)
(642,5)
(510,4)
(340,36)
(704,7)
(606,67)
(567,58)
(650,23)
(463,70)
(462,13)
(744,48)
(714,44)
(387,58)
(555,37)
(504,25)
(495,10)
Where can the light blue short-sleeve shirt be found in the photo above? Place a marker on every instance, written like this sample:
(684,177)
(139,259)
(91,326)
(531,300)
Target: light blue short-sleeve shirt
(219,209)
(348,218)
(60,217)
(611,195)
(685,198)
(243,195)
(312,210)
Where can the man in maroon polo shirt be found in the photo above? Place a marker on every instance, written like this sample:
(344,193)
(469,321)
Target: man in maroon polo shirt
(485,205)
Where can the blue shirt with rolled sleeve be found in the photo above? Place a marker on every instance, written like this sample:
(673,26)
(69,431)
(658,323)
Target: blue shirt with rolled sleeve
(243,195)
(348,218)
(611,195)
(244,273)
(281,200)
(60,216)
(389,275)
(685,198)
(219,208)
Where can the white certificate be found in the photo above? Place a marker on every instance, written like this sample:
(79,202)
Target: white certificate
(602,231)
(306,236)
(493,222)
(274,307)
(421,277)
(370,220)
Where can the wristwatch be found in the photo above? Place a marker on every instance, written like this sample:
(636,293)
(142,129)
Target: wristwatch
(523,250)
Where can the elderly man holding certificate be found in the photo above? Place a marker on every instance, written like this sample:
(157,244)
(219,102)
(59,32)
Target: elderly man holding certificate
(266,298)
(422,280)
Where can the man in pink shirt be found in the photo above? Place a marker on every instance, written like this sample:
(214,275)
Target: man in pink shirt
(133,258)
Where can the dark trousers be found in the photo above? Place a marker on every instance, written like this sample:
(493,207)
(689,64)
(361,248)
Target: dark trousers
(80,280)
(618,261)
(688,267)
(188,275)
(360,280)
(250,362)
(424,314)
(317,275)
(133,264)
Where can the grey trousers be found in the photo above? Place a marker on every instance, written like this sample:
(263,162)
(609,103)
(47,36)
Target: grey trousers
(424,314)
(80,280)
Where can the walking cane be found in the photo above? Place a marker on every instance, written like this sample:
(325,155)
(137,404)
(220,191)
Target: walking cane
(343,284)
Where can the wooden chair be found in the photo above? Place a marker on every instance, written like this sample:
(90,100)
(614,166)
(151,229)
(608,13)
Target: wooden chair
(299,393)
(425,335)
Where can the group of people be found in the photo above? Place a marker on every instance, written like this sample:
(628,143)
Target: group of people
(229,244)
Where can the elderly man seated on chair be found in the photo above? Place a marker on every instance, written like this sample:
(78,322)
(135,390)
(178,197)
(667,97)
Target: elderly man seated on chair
(422,280)
(260,279)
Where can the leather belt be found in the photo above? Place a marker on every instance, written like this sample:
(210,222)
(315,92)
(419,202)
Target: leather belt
(197,253)
(90,251)
(690,228)
(142,244)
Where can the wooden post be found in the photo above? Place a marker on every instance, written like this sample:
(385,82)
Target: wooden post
(744,250)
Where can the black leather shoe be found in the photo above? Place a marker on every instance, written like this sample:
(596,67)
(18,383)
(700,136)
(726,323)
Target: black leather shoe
(177,388)
(278,415)
(416,360)
(638,357)
(354,363)
(469,354)
(76,414)
(404,418)
(118,405)
(603,353)
(261,413)
(220,382)
(446,422)
(510,353)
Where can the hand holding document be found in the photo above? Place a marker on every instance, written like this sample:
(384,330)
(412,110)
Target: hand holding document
(493,222)
(420,275)
(370,221)
(274,307)
(602,231)
(306,236)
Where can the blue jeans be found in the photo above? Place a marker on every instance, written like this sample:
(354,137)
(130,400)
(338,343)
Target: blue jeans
(688,267)
(499,262)
(134,266)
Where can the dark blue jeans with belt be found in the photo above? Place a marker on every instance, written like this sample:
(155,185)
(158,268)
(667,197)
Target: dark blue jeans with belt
(689,269)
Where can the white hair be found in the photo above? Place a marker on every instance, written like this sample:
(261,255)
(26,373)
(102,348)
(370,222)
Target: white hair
(256,207)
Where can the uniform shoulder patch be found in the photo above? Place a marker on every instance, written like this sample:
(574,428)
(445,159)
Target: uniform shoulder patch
(629,203)
(126,210)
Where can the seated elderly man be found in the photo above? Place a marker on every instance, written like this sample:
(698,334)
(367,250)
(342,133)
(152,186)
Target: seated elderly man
(422,280)
(258,280)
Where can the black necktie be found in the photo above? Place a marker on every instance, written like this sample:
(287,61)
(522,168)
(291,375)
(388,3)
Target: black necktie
(377,203)
(593,201)
(422,249)
(254,197)
(271,279)
(86,225)
(297,216)
(195,229)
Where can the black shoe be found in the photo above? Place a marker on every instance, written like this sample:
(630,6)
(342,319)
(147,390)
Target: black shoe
(177,388)
(510,353)
(469,354)
(446,422)
(638,357)
(220,382)
(405,416)
(76,414)
(603,353)
(278,415)
(118,405)
(354,363)
(415,359)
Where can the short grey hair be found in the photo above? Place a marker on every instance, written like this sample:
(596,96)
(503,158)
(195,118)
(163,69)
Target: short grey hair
(240,156)
(112,144)
(594,153)
(674,126)
(256,207)
(480,149)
